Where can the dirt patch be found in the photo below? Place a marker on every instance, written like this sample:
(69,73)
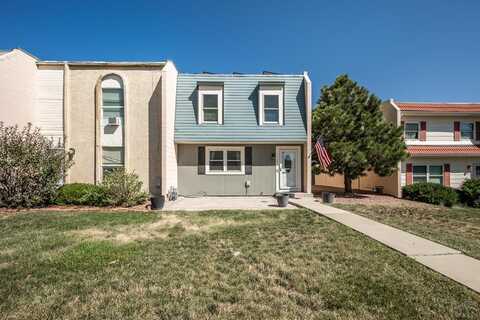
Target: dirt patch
(376,199)
(159,229)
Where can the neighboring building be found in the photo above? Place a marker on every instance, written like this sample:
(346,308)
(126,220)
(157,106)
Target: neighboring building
(443,141)
(111,114)
(243,134)
(226,135)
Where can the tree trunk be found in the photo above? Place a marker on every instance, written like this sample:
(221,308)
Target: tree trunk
(348,184)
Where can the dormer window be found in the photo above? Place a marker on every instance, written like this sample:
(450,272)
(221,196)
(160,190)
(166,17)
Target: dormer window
(271,104)
(210,104)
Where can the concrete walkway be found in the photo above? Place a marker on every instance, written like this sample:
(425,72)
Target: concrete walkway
(224,203)
(449,262)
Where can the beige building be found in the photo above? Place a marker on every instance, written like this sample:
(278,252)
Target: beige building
(110,114)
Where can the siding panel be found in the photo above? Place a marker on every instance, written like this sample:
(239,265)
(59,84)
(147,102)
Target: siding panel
(240,109)
(50,103)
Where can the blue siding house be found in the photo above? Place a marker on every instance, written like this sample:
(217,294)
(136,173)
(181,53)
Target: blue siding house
(241,134)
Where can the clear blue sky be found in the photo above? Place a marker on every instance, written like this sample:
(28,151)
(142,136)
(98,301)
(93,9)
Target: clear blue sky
(410,49)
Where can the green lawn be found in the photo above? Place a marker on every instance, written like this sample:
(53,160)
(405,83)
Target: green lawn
(288,264)
(458,228)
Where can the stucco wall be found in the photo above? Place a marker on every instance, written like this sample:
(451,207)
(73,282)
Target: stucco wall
(142,122)
(262,178)
(18,73)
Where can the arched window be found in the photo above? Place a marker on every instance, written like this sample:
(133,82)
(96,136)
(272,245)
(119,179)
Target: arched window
(112,125)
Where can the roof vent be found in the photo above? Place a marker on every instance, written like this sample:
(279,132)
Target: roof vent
(235,72)
(207,72)
(265,72)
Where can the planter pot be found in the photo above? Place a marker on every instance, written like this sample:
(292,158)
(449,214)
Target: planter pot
(282,199)
(328,197)
(157,202)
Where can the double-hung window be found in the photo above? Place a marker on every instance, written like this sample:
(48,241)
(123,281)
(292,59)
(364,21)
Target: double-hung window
(210,104)
(466,130)
(411,131)
(431,173)
(225,160)
(420,174)
(271,104)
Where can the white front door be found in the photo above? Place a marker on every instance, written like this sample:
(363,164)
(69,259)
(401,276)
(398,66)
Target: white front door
(288,169)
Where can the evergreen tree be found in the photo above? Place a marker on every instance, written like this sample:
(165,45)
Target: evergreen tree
(355,133)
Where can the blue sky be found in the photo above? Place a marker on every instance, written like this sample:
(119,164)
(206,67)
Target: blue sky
(410,50)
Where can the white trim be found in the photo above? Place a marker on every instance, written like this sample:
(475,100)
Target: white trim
(270,92)
(225,149)
(399,112)
(298,169)
(219,94)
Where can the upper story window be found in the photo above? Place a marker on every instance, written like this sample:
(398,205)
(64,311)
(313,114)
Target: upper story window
(466,130)
(411,131)
(210,104)
(271,104)
(112,115)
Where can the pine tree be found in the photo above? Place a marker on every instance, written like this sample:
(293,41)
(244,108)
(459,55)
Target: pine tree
(355,133)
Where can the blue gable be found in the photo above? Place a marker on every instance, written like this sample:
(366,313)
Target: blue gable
(240,110)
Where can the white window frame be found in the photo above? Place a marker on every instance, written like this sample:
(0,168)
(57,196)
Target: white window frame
(219,94)
(270,92)
(224,149)
(473,130)
(427,174)
(405,130)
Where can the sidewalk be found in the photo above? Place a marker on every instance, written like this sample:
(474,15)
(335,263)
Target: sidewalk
(449,262)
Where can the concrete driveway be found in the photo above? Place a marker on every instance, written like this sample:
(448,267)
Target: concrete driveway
(224,203)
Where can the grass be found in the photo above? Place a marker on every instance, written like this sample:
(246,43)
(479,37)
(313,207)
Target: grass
(288,264)
(458,228)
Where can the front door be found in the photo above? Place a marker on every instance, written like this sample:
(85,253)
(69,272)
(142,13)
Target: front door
(288,168)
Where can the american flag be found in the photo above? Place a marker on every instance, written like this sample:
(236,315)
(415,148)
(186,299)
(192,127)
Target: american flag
(322,153)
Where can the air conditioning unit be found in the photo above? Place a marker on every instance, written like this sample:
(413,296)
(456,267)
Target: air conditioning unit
(114,121)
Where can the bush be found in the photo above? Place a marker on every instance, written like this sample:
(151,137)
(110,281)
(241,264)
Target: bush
(31,167)
(123,189)
(433,193)
(470,192)
(83,194)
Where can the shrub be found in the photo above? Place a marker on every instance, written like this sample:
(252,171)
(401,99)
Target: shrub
(470,192)
(123,189)
(433,193)
(31,167)
(81,194)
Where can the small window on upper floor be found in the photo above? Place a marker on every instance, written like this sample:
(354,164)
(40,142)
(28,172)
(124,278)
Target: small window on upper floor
(466,130)
(271,104)
(112,92)
(411,131)
(210,104)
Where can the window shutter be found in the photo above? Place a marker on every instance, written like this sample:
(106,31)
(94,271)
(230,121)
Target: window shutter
(248,160)
(456,130)
(423,131)
(446,174)
(409,173)
(201,160)
(477,130)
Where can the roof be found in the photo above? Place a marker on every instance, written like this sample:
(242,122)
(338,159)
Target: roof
(438,106)
(444,150)
(104,63)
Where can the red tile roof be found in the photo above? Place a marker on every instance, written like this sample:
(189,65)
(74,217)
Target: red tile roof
(443,150)
(438,107)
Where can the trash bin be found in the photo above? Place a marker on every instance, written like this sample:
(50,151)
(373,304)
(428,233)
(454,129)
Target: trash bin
(157,202)
(379,189)
(282,199)
(328,197)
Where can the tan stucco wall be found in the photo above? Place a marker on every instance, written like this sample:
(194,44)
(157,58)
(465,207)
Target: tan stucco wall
(365,183)
(17,88)
(142,122)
